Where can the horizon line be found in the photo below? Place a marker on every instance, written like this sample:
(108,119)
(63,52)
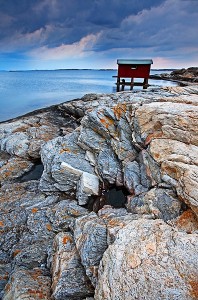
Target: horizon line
(78,69)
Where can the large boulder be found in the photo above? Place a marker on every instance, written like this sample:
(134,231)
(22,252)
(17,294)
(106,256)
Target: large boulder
(149,260)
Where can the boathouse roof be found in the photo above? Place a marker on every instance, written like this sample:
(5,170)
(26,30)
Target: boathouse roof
(134,61)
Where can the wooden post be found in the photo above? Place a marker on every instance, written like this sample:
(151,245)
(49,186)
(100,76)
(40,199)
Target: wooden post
(118,84)
(123,84)
(145,83)
(132,83)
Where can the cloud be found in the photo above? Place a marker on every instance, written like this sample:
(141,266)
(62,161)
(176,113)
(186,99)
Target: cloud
(161,30)
(23,41)
(59,29)
(72,20)
(80,48)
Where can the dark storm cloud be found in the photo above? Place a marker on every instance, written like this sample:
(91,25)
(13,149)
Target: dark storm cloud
(166,27)
(58,29)
(56,22)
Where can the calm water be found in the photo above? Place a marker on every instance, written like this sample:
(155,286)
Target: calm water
(22,92)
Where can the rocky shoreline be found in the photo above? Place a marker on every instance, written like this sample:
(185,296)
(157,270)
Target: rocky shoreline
(183,77)
(99,198)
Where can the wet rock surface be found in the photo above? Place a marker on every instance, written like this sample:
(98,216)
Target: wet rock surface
(99,198)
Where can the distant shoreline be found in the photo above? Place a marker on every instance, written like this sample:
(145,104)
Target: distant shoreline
(77,70)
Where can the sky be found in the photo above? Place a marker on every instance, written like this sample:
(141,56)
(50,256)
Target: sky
(64,34)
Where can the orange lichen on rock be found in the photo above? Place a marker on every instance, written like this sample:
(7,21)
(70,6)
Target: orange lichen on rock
(68,150)
(119,110)
(171,171)
(66,239)
(17,251)
(34,210)
(1,223)
(37,293)
(115,222)
(64,150)
(106,121)
(187,221)
(49,227)
(37,273)
(194,288)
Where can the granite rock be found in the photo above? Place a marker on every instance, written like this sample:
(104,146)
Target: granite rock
(87,185)
(90,235)
(63,214)
(24,136)
(186,222)
(179,166)
(28,284)
(160,203)
(69,280)
(64,162)
(142,144)
(149,260)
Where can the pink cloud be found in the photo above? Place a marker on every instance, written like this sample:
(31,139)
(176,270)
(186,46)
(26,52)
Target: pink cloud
(79,48)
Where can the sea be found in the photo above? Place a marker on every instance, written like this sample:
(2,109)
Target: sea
(24,91)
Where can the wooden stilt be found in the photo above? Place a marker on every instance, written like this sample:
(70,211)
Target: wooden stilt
(132,83)
(123,84)
(118,84)
(145,83)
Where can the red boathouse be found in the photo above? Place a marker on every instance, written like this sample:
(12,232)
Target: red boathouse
(133,68)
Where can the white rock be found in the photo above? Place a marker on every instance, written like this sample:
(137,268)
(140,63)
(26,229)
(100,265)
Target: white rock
(88,185)
(70,169)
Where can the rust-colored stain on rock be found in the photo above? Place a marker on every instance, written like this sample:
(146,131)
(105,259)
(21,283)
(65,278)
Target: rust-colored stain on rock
(188,221)
(66,239)
(152,136)
(194,288)
(37,293)
(119,110)
(171,171)
(17,251)
(64,150)
(106,121)
(37,273)
(49,227)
